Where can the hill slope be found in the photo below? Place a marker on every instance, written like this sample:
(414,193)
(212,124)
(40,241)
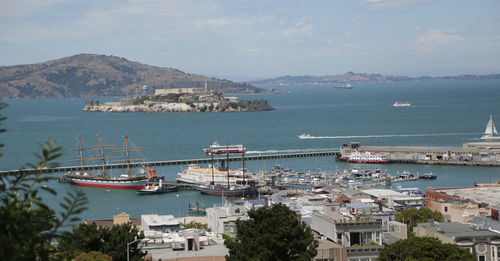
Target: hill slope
(351,77)
(90,75)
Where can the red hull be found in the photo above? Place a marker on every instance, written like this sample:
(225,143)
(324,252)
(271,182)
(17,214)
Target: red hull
(223,151)
(367,161)
(107,186)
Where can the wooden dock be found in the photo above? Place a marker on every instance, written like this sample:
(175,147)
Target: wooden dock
(180,162)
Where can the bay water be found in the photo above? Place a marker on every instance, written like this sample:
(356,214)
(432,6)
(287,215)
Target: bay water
(442,114)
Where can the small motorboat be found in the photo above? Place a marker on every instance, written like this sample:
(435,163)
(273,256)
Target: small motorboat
(427,176)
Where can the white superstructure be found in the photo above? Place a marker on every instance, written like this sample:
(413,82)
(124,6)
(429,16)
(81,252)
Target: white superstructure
(367,157)
(203,176)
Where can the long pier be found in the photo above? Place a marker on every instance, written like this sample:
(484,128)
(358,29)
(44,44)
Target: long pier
(335,153)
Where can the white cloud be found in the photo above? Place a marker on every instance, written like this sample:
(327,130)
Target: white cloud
(347,35)
(297,31)
(375,5)
(432,39)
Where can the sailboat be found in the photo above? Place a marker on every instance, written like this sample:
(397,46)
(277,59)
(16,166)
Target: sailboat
(103,180)
(490,130)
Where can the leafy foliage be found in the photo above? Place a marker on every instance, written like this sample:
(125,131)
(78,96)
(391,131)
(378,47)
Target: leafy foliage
(27,225)
(411,217)
(424,249)
(272,234)
(111,241)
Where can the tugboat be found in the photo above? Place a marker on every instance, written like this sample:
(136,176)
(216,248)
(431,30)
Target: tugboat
(156,187)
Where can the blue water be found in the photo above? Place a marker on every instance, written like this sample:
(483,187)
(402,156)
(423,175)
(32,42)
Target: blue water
(442,114)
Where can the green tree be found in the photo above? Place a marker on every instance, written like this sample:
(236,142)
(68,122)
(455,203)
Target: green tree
(411,217)
(111,241)
(423,249)
(27,224)
(272,234)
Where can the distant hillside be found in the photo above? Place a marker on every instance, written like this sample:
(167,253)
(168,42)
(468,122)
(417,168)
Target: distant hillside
(351,77)
(90,75)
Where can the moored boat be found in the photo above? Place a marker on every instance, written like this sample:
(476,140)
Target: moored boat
(157,187)
(103,180)
(427,176)
(199,176)
(367,157)
(232,191)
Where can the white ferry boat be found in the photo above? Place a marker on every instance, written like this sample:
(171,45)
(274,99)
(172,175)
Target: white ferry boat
(216,148)
(367,157)
(203,176)
(401,104)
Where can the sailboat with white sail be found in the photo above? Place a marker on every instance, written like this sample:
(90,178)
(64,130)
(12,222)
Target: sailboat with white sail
(491,131)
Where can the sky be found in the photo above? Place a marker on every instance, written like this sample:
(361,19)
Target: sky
(257,39)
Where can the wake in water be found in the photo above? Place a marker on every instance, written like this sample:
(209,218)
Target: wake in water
(383,136)
(288,151)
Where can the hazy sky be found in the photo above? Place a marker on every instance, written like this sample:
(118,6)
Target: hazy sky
(258,39)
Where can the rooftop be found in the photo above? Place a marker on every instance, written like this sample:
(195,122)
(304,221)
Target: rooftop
(455,229)
(381,192)
(488,195)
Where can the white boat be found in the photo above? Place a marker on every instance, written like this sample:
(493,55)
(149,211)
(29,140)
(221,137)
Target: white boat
(490,130)
(305,136)
(216,148)
(367,157)
(203,176)
(401,104)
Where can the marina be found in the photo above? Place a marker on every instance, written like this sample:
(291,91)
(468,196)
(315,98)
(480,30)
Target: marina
(271,138)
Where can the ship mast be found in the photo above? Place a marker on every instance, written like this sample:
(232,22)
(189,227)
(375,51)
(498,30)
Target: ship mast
(101,146)
(213,178)
(227,164)
(127,158)
(81,152)
(127,149)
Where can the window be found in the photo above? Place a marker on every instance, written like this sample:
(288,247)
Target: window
(445,209)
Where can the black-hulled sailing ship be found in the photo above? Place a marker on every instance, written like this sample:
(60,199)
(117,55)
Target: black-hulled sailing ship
(246,189)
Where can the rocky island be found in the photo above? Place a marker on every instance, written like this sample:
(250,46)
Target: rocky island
(179,100)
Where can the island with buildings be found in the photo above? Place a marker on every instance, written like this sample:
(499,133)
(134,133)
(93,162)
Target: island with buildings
(179,100)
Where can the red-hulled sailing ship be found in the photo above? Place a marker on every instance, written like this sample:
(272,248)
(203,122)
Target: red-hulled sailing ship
(103,180)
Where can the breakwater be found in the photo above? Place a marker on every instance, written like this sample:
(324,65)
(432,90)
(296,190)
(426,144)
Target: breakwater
(470,154)
(178,162)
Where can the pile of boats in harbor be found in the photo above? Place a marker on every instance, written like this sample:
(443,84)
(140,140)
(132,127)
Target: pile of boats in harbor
(211,181)
(349,177)
(220,181)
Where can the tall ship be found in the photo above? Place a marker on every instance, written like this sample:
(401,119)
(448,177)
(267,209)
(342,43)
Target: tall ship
(197,175)
(367,157)
(490,131)
(216,148)
(231,191)
(401,104)
(103,179)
